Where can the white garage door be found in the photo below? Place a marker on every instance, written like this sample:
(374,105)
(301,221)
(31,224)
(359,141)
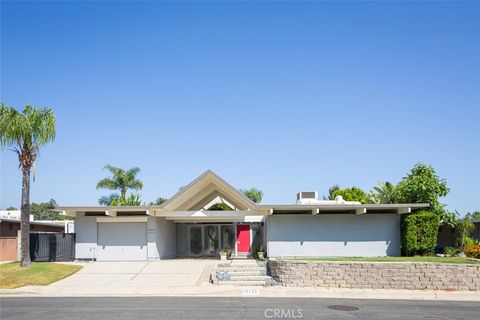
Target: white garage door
(122,241)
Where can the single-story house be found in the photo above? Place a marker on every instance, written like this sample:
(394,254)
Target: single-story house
(10,227)
(10,224)
(183,226)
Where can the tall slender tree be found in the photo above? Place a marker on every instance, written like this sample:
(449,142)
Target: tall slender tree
(121,180)
(25,133)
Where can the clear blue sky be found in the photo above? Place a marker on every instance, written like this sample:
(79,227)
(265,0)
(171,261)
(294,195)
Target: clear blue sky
(283,96)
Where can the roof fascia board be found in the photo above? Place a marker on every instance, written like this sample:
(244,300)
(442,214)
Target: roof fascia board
(404,210)
(122,219)
(210,213)
(210,178)
(360,211)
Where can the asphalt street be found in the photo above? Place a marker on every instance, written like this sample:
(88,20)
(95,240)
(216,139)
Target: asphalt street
(231,308)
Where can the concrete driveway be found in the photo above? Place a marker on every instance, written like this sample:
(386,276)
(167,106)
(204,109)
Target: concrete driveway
(175,272)
(147,277)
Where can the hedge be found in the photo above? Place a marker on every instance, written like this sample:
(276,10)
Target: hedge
(419,233)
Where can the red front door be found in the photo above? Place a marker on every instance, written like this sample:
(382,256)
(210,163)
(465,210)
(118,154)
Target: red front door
(243,238)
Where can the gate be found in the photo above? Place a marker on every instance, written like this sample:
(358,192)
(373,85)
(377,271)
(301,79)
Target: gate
(52,246)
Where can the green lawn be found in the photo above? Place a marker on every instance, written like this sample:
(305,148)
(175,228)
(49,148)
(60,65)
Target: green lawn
(396,259)
(39,273)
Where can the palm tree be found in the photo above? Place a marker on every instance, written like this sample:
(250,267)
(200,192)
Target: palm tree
(122,180)
(25,133)
(384,193)
(157,201)
(331,192)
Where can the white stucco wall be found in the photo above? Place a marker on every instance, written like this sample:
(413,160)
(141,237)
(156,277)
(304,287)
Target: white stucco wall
(85,237)
(161,240)
(366,235)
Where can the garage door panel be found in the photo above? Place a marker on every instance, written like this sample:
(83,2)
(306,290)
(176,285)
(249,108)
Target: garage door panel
(122,241)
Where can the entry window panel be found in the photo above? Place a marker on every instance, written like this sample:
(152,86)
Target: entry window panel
(211,240)
(195,240)
(181,235)
(257,241)
(228,237)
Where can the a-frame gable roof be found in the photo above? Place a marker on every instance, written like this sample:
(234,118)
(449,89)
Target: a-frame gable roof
(204,189)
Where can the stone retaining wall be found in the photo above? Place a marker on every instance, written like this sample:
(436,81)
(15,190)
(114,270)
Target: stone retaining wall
(376,275)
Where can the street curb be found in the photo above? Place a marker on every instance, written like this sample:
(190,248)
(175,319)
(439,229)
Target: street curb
(283,292)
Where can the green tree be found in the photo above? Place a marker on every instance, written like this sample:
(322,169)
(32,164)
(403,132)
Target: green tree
(43,211)
(352,194)
(384,193)
(11,209)
(422,185)
(25,133)
(469,215)
(157,201)
(121,180)
(253,194)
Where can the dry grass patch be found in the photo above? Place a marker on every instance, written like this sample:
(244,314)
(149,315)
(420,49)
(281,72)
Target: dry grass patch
(39,273)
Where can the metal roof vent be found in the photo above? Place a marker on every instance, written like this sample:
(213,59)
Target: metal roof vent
(307,197)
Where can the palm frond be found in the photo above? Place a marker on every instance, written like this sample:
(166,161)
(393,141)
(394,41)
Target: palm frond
(114,170)
(107,183)
(133,171)
(136,185)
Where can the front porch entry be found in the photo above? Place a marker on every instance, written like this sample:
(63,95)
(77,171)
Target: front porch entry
(243,239)
(208,239)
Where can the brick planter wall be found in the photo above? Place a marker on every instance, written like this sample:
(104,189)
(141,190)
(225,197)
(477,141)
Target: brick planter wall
(376,275)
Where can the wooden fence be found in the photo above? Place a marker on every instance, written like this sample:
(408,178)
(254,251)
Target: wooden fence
(8,248)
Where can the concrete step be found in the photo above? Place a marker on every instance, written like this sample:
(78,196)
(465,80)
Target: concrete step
(248,278)
(241,268)
(247,273)
(259,272)
(237,265)
(244,265)
(238,269)
(244,261)
(251,283)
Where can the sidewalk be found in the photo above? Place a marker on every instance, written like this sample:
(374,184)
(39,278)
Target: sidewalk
(208,290)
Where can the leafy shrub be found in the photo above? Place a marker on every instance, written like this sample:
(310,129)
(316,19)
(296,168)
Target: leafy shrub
(464,230)
(132,200)
(258,248)
(473,251)
(220,207)
(419,233)
(468,242)
(450,251)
